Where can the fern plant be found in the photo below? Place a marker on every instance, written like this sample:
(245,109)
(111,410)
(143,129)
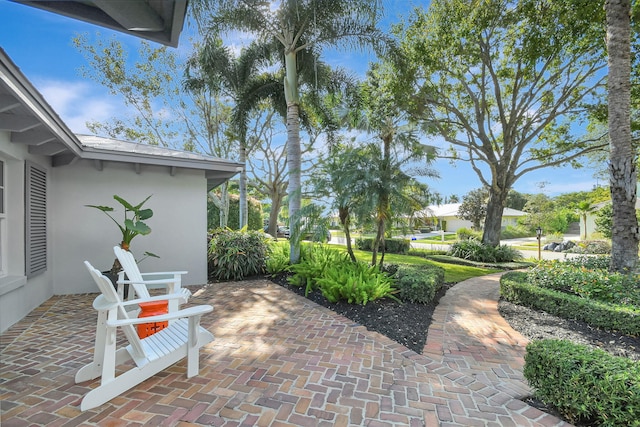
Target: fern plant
(357,283)
(314,261)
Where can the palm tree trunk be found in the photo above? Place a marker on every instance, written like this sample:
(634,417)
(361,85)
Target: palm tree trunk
(224,204)
(343,213)
(244,210)
(625,233)
(293,150)
(378,239)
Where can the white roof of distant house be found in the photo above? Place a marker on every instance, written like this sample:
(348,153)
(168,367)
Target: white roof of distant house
(451,209)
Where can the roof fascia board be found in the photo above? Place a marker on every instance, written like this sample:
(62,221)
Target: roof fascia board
(18,83)
(91,153)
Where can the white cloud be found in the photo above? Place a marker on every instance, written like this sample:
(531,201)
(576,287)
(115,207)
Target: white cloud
(78,102)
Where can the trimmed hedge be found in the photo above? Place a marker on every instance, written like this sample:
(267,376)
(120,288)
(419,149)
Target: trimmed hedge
(583,384)
(592,283)
(392,246)
(418,284)
(515,288)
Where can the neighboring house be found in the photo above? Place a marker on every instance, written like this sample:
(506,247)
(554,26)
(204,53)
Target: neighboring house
(591,216)
(48,175)
(445,217)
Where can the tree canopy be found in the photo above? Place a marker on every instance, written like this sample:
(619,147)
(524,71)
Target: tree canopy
(503,82)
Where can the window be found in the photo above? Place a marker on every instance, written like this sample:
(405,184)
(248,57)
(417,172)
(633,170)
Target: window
(36,219)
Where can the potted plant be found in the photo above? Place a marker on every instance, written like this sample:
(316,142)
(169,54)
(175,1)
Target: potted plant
(132,225)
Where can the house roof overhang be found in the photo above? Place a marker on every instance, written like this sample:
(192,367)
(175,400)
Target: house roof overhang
(102,150)
(31,121)
(156,20)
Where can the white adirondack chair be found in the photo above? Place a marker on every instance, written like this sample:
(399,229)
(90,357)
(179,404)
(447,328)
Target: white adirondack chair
(141,282)
(182,338)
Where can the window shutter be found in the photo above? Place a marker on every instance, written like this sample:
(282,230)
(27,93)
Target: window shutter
(36,219)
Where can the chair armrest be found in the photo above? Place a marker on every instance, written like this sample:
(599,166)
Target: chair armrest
(147,282)
(198,310)
(165,273)
(178,296)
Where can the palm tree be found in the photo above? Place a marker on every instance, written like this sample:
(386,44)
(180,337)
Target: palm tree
(379,114)
(299,26)
(242,80)
(337,179)
(625,233)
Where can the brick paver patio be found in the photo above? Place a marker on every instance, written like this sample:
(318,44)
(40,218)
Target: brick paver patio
(281,360)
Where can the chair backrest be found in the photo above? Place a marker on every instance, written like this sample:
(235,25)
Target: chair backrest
(104,284)
(111,301)
(130,267)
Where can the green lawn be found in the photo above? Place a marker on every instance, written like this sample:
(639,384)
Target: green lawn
(448,239)
(453,273)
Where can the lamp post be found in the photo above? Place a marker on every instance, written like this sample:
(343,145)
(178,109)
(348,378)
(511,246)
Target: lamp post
(539,236)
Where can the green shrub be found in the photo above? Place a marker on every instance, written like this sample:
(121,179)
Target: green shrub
(467,233)
(254,218)
(355,282)
(474,250)
(314,261)
(278,258)
(426,253)
(392,246)
(234,255)
(590,262)
(598,284)
(511,232)
(418,284)
(505,253)
(583,384)
(597,247)
(515,288)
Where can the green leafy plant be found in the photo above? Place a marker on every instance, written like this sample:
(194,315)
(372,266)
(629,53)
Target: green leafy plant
(598,247)
(474,250)
(355,282)
(417,284)
(594,283)
(584,384)
(314,260)
(278,258)
(466,234)
(132,225)
(392,246)
(515,288)
(234,255)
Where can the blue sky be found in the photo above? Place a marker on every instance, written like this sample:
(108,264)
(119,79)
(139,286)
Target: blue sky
(39,43)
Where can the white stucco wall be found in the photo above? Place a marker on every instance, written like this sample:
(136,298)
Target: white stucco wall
(80,233)
(18,296)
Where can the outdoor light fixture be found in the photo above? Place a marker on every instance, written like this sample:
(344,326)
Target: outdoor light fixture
(539,235)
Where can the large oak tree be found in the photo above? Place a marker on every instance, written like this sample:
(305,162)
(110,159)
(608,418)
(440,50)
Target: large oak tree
(504,83)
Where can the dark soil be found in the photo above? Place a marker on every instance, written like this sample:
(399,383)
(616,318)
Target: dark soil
(405,323)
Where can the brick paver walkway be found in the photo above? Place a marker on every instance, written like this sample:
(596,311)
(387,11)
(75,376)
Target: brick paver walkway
(281,360)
